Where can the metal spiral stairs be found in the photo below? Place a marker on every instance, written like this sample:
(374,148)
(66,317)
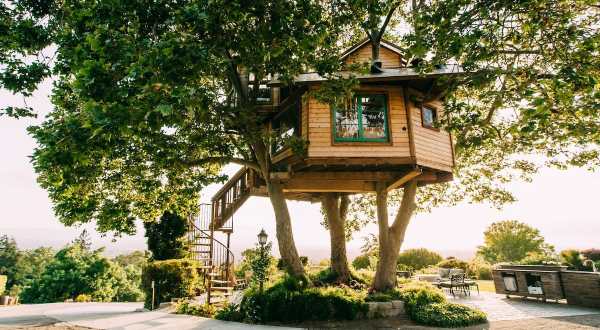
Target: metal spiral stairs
(214,257)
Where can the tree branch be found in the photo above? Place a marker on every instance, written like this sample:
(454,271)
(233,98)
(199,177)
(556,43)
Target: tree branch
(223,161)
(386,22)
(234,77)
(407,207)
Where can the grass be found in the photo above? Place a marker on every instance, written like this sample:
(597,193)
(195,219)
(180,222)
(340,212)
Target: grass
(486,286)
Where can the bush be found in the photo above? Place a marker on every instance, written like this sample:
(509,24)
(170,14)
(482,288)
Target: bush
(539,259)
(592,254)
(418,294)
(191,308)
(361,262)
(454,263)
(418,259)
(281,303)
(384,296)
(480,269)
(444,314)
(83,298)
(230,312)
(176,278)
(572,259)
(3,280)
(327,276)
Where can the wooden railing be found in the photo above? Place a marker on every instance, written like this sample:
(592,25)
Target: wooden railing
(231,197)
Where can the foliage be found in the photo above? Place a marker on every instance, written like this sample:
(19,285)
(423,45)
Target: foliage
(327,277)
(361,262)
(452,262)
(281,304)
(539,259)
(196,309)
(417,294)
(75,270)
(445,314)
(230,312)
(135,258)
(83,298)
(390,295)
(260,264)
(573,260)
(175,278)
(418,259)
(9,259)
(479,269)
(511,241)
(166,237)
(592,254)
(3,280)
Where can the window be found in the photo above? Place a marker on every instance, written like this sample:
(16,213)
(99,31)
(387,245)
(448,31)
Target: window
(364,119)
(285,125)
(428,117)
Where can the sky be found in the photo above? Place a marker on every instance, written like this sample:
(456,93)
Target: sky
(563,205)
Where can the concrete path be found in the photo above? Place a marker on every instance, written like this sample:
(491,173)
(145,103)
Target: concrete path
(121,316)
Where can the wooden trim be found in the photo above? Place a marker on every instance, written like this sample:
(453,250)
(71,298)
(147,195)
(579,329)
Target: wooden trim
(409,122)
(360,160)
(347,175)
(404,179)
(303,185)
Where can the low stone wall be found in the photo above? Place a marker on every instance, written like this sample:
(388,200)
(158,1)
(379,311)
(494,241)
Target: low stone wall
(386,309)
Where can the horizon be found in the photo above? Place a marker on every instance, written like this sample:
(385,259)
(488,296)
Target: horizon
(560,203)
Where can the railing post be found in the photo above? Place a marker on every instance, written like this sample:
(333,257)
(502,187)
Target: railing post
(227,258)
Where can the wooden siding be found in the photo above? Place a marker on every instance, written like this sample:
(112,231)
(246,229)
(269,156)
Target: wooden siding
(388,58)
(433,148)
(320,130)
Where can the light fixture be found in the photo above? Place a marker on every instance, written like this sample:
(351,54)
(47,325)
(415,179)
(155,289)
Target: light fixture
(262,237)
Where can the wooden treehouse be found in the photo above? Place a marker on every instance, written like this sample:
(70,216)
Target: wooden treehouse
(388,132)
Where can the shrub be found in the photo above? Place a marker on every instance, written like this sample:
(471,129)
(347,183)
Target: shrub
(175,278)
(539,259)
(361,262)
(191,308)
(230,312)
(480,269)
(572,259)
(83,298)
(444,314)
(281,303)
(418,294)
(592,254)
(328,276)
(418,259)
(3,280)
(384,296)
(454,263)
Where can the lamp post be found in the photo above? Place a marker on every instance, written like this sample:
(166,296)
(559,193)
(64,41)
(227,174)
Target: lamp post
(262,241)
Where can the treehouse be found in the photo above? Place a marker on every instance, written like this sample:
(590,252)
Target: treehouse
(387,132)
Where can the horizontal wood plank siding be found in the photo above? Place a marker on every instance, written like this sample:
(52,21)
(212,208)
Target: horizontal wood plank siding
(432,147)
(389,59)
(321,139)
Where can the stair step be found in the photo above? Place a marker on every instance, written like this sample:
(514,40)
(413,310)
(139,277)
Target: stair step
(214,274)
(204,267)
(220,293)
(201,244)
(218,301)
(225,288)
(220,281)
(203,258)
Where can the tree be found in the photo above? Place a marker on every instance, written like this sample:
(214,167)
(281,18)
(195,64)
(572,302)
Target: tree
(151,99)
(511,241)
(418,259)
(166,237)
(9,259)
(335,207)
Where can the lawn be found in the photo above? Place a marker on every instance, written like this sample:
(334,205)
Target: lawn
(487,286)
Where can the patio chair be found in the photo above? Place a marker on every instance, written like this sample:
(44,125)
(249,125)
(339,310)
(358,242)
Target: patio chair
(457,282)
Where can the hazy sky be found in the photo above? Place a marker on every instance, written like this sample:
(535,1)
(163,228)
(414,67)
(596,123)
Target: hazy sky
(564,205)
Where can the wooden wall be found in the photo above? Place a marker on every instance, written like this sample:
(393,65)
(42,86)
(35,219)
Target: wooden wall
(320,130)
(433,147)
(389,59)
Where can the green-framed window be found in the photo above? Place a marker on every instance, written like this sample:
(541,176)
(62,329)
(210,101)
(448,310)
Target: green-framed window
(364,119)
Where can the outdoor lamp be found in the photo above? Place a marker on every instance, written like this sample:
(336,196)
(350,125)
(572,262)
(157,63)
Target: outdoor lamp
(262,237)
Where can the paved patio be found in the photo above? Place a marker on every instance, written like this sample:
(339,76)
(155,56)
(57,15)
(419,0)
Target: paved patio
(499,308)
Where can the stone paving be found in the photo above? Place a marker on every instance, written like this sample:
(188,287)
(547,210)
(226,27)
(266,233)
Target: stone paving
(499,308)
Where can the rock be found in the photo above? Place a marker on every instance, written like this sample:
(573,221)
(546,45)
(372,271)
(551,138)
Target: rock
(140,310)
(398,304)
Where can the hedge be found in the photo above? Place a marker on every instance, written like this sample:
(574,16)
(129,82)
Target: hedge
(447,314)
(174,278)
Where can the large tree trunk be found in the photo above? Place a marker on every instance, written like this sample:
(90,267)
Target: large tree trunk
(391,238)
(283,222)
(335,211)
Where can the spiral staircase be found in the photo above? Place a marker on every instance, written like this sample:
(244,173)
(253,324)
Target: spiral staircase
(214,256)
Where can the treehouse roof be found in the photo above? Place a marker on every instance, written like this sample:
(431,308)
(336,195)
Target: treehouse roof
(384,43)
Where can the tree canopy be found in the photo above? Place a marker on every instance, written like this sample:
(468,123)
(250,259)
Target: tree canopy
(511,241)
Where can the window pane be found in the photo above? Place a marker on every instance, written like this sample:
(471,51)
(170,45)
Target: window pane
(373,116)
(428,117)
(346,121)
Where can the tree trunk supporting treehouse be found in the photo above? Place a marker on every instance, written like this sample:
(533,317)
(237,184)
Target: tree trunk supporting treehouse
(392,237)
(335,207)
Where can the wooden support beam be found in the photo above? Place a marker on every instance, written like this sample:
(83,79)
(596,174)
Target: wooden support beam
(352,186)
(404,179)
(347,175)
